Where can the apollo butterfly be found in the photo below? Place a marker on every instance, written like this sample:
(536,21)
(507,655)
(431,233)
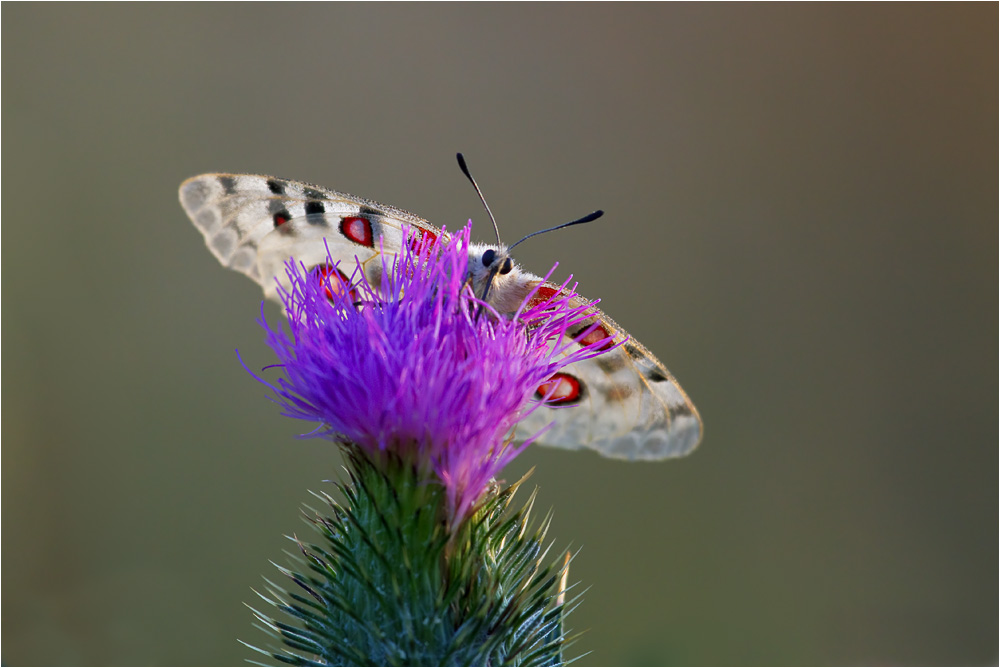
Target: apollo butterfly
(622,403)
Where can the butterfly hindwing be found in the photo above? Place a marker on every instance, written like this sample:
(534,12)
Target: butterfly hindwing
(622,403)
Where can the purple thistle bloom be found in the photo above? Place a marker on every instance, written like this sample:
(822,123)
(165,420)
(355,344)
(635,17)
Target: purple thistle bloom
(417,367)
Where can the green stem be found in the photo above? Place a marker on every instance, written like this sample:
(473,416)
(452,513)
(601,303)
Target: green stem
(392,583)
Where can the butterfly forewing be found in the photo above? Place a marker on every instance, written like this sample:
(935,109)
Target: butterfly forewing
(622,403)
(254,223)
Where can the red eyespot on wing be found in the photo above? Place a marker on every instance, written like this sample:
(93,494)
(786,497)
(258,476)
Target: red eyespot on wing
(421,239)
(564,389)
(281,218)
(599,333)
(358,230)
(334,280)
(543,295)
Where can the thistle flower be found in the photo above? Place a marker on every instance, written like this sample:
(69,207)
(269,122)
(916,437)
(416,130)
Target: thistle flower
(419,368)
(425,562)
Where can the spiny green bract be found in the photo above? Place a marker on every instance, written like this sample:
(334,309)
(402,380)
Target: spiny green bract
(392,584)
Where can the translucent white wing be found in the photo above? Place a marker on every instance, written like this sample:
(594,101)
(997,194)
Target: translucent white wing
(623,403)
(254,223)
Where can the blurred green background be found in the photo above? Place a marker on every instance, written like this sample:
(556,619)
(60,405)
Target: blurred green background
(801,222)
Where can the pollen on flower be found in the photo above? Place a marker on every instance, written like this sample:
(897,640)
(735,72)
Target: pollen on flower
(422,370)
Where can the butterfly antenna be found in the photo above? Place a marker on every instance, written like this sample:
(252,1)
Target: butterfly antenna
(465,170)
(579,221)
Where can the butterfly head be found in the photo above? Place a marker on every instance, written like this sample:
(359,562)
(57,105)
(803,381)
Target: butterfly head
(490,268)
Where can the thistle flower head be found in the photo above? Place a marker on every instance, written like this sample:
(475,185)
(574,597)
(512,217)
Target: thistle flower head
(416,367)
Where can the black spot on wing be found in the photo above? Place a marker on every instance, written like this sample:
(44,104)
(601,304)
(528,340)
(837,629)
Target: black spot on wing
(655,375)
(276,186)
(313,193)
(228,184)
(314,207)
(681,409)
(634,351)
(610,362)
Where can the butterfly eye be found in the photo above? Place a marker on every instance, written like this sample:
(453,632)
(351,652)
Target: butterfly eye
(488,257)
(508,264)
